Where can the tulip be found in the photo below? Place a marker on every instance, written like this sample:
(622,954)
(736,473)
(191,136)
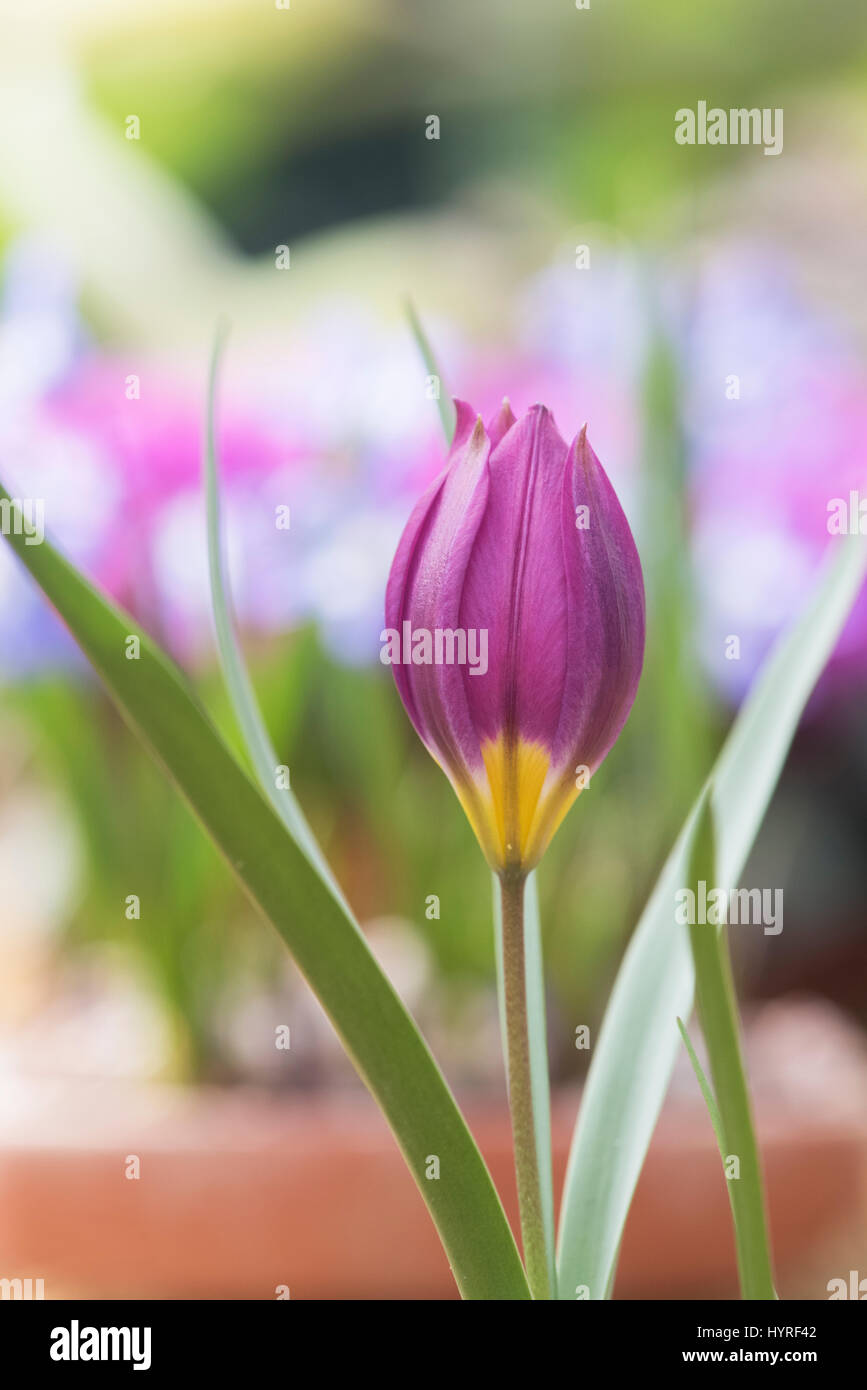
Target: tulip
(519,550)
(515,624)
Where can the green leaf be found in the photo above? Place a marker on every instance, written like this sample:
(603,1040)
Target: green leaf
(637,1043)
(445,404)
(258,743)
(538,1040)
(718,1012)
(705,1088)
(673,698)
(372,1023)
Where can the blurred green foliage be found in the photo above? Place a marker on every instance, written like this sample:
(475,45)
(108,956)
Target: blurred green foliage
(307,118)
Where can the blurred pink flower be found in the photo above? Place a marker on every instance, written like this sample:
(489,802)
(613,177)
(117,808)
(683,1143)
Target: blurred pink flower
(148,450)
(776,408)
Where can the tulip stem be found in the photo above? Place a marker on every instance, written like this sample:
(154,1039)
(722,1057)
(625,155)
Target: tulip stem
(520,1085)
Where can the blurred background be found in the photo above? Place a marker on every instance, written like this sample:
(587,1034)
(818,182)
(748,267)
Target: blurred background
(302,172)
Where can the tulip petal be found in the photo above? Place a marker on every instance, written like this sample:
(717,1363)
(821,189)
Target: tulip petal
(419,533)
(501,423)
(605,613)
(521,539)
(515,587)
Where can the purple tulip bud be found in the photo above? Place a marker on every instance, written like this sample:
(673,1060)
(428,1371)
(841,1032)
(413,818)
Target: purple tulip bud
(515,624)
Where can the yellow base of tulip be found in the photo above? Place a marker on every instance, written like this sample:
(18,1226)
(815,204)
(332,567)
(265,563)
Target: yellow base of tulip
(513,815)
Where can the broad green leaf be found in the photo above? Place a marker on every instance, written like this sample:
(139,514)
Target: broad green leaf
(372,1023)
(635,1051)
(538,1039)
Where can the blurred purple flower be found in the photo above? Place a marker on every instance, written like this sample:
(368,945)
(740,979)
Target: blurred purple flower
(40,338)
(153,556)
(336,424)
(776,415)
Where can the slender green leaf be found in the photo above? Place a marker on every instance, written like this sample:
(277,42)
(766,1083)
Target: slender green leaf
(445,404)
(673,700)
(537,1033)
(240,687)
(718,1012)
(705,1088)
(637,1043)
(374,1027)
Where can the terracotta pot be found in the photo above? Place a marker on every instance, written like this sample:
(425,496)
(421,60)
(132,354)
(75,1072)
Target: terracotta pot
(241,1192)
